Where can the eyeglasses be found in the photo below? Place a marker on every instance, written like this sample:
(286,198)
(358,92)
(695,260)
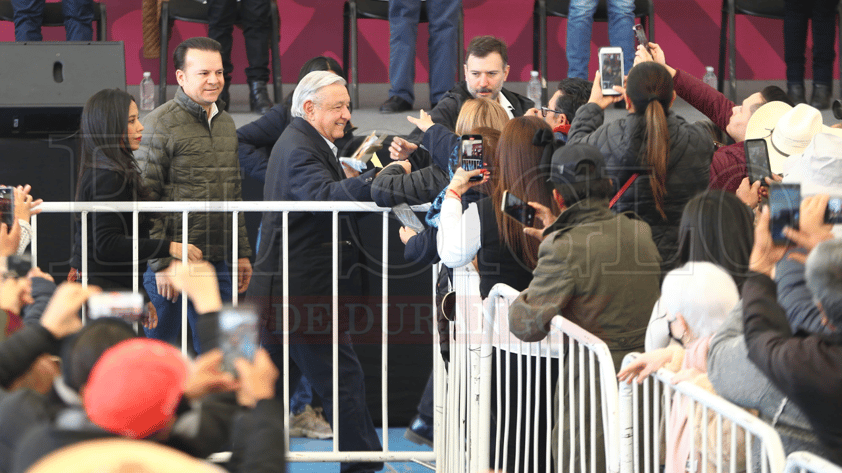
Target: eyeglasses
(545,110)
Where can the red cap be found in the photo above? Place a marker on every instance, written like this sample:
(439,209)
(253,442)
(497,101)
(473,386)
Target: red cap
(135,387)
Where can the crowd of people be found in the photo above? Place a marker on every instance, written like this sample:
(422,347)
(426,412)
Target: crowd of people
(648,233)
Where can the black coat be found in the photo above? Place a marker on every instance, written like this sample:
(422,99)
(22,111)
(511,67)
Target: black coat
(620,141)
(447,111)
(303,168)
(256,139)
(807,368)
(110,234)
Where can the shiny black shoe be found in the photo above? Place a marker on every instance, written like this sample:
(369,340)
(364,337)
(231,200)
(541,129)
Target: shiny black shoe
(259,97)
(821,96)
(796,93)
(419,432)
(395,105)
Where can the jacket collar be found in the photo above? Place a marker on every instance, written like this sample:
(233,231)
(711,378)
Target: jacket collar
(518,101)
(585,211)
(318,140)
(195,109)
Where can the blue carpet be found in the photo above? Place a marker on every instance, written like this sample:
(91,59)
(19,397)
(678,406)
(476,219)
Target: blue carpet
(396,443)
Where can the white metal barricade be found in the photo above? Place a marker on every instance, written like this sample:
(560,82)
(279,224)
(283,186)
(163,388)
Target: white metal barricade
(713,444)
(806,462)
(185,208)
(570,359)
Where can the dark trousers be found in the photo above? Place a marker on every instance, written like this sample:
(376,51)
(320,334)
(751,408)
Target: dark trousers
(823,15)
(311,355)
(254,17)
(29,14)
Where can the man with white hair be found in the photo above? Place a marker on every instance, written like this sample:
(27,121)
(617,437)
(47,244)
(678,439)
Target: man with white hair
(304,166)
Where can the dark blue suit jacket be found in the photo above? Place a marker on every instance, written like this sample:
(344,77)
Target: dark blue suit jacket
(302,167)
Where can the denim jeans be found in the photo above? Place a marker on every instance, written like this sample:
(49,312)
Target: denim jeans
(579,25)
(403,32)
(169,313)
(78,16)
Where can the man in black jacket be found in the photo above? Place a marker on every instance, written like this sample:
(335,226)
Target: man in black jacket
(304,166)
(486,70)
(807,368)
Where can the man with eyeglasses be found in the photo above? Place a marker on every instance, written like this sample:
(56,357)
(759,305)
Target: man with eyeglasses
(572,93)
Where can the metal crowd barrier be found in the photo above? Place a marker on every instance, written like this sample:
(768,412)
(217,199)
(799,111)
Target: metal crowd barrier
(806,462)
(570,362)
(762,450)
(185,208)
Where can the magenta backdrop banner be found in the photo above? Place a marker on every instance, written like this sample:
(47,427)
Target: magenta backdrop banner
(688,30)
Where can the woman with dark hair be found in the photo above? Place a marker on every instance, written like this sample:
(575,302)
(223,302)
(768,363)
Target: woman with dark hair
(257,138)
(716,227)
(110,132)
(657,161)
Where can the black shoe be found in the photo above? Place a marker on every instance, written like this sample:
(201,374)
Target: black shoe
(259,97)
(796,93)
(419,432)
(395,105)
(821,96)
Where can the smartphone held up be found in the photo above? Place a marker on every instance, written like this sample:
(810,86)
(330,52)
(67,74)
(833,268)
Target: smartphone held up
(611,69)
(517,209)
(7,205)
(471,156)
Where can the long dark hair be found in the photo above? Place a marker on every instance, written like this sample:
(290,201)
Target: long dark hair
(519,172)
(318,63)
(717,227)
(104,139)
(650,88)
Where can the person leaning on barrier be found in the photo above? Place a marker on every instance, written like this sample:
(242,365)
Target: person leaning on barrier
(597,269)
(807,368)
(189,153)
(304,166)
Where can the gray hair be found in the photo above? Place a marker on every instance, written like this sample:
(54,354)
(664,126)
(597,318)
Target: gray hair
(308,89)
(824,278)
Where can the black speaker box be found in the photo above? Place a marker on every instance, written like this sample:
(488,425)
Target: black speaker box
(46,84)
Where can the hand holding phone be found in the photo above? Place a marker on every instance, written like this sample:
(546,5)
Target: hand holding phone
(471,156)
(7,206)
(641,37)
(757,161)
(125,305)
(610,69)
(237,335)
(518,209)
(784,209)
(408,218)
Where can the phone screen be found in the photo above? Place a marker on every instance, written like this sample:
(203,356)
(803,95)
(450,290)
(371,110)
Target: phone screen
(237,335)
(7,206)
(408,218)
(611,69)
(125,305)
(641,36)
(833,214)
(471,156)
(784,207)
(757,161)
(518,209)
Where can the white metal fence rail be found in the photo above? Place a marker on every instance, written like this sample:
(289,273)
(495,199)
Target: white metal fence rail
(570,359)
(762,450)
(185,208)
(806,462)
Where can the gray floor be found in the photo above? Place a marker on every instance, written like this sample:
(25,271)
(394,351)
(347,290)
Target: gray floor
(368,118)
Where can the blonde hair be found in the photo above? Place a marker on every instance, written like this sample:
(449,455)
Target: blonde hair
(480,112)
